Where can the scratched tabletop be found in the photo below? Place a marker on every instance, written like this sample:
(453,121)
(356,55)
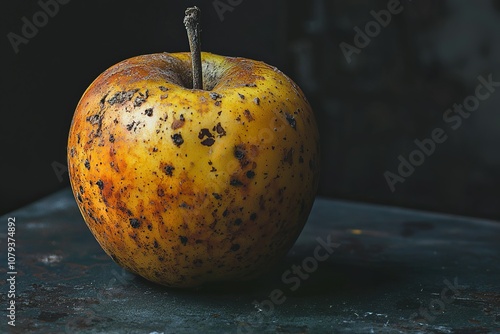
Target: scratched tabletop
(356,268)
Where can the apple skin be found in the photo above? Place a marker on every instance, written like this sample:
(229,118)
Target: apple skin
(185,186)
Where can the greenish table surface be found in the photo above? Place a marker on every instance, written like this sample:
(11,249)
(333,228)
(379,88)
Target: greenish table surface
(356,268)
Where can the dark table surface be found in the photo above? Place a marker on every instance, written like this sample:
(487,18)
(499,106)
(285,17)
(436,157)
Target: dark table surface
(391,270)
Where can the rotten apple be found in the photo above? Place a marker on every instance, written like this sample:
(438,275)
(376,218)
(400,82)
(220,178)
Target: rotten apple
(185,185)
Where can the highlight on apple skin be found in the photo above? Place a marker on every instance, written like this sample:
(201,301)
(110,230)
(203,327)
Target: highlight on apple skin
(186,186)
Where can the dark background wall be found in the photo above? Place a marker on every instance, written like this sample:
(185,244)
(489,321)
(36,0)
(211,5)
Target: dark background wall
(372,105)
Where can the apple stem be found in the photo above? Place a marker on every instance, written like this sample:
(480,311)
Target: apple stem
(192,23)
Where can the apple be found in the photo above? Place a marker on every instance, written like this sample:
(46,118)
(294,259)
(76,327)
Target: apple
(185,185)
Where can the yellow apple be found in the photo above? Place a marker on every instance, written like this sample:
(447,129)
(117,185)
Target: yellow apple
(185,186)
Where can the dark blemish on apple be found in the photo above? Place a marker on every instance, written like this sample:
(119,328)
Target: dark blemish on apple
(111,138)
(87,164)
(100,184)
(169,170)
(235,182)
(250,174)
(184,205)
(148,112)
(139,100)
(130,126)
(239,152)
(205,133)
(155,244)
(288,156)
(219,129)
(122,97)
(163,88)
(262,203)
(217,196)
(301,160)
(101,102)
(135,223)
(82,191)
(208,142)
(214,95)
(235,247)
(184,240)
(256,101)
(72,152)
(177,139)
(94,119)
(217,103)
(241,96)
(225,213)
(248,115)
(79,197)
(160,192)
(253,216)
(250,85)
(213,169)
(291,120)
(238,221)
(150,227)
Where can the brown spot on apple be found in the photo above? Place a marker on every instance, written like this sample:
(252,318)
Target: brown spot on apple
(134,222)
(235,182)
(291,120)
(183,239)
(168,169)
(139,100)
(219,129)
(177,139)
(178,123)
(122,97)
(248,115)
(215,95)
(288,156)
(208,142)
